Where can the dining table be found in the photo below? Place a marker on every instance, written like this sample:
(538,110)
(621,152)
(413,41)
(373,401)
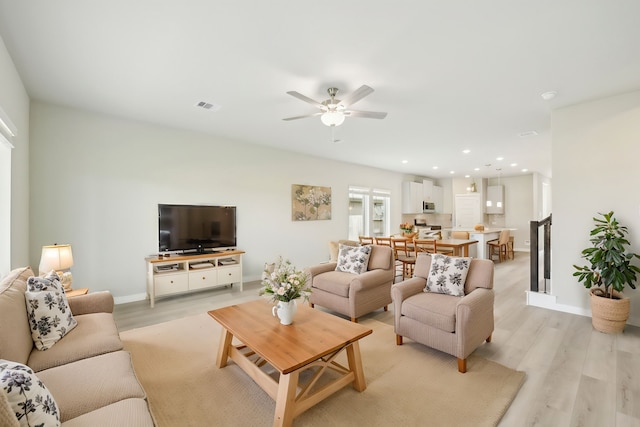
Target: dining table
(460,246)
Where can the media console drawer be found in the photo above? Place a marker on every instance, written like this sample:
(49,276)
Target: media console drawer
(199,279)
(171,283)
(228,275)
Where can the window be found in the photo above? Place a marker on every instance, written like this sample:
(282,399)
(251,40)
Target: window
(369,211)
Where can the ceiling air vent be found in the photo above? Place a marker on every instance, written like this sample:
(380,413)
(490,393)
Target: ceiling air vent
(208,106)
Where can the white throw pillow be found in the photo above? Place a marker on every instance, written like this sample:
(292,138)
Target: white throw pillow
(29,398)
(353,259)
(447,275)
(48,310)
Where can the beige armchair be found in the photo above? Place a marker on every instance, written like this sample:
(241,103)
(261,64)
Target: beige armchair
(452,324)
(354,294)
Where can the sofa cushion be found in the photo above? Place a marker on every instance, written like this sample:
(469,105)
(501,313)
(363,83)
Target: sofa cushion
(334,246)
(48,311)
(334,282)
(89,384)
(95,334)
(127,412)
(353,259)
(432,309)
(29,398)
(447,275)
(380,258)
(15,335)
(7,415)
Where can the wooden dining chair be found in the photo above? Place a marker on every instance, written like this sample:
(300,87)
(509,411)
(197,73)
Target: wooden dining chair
(366,240)
(499,247)
(460,235)
(429,246)
(383,241)
(404,254)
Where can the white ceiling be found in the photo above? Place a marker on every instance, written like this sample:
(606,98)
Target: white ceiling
(452,75)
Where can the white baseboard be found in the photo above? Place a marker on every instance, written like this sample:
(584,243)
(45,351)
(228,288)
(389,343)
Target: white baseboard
(130,298)
(538,299)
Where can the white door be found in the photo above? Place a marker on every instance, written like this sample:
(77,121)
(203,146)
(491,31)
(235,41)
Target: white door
(468,210)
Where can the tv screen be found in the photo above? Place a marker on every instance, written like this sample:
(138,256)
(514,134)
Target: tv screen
(196,228)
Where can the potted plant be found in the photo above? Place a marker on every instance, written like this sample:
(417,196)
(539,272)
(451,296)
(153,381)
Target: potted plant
(608,271)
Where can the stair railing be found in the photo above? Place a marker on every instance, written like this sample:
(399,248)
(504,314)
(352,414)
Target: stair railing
(534,229)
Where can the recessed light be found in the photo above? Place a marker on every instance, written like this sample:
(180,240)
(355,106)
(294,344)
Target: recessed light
(525,170)
(467,176)
(405,161)
(476,169)
(513,165)
(452,172)
(466,151)
(548,96)
(435,167)
(499,158)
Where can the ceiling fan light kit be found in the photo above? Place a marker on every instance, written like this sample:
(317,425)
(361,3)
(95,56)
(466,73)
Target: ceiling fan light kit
(334,111)
(332,118)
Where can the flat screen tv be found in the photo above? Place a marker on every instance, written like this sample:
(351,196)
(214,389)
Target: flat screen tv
(196,228)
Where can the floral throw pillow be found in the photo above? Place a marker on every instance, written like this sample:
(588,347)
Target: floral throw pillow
(353,259)
(48,310)
(28,397)
(447,275)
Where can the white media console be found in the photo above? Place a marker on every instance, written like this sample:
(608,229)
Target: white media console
(175,274)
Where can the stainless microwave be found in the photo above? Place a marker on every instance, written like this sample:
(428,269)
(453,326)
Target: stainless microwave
(428,207)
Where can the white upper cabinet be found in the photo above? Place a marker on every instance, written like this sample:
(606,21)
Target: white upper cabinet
(495,199)
(427,190)
(438,198)
(412,196)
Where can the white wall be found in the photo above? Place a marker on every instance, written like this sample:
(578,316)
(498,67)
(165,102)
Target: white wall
(96,182)
(518,207)
(14,238)
(595,151)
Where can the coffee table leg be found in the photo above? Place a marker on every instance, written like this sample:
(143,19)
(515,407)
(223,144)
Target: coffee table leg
(223,349)
(355,365)
(286,399)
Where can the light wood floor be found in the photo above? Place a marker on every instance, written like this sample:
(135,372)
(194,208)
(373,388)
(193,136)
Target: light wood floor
(575,376)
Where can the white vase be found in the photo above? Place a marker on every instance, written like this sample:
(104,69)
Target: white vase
(285,310)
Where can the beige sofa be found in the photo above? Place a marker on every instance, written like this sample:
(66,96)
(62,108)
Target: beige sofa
(354,294)
(452,324)
(89,375)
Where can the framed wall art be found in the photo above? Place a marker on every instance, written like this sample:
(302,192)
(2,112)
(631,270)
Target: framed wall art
(310,202)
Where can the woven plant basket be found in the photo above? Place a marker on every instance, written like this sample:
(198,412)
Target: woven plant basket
(609,315)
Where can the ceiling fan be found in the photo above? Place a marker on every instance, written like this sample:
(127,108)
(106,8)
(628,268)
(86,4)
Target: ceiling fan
(333,111)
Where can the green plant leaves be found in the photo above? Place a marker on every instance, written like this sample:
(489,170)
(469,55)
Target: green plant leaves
(609,265)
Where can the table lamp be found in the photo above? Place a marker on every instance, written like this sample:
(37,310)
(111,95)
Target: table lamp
(59,258)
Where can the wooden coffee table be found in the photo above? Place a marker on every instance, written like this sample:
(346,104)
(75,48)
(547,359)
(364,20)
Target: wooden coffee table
(313,341)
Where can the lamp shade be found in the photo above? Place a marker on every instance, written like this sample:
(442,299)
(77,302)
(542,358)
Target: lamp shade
(55,257)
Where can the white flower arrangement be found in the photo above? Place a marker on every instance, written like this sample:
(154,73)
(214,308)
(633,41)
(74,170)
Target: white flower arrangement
(282,282)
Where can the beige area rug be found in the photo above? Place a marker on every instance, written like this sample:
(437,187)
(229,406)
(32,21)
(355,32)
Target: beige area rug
(408,385)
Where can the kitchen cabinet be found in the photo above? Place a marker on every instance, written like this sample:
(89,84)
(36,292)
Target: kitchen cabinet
(438,198)
(468,210)
(433,193)
(412,196)
(427,190)
(495,199)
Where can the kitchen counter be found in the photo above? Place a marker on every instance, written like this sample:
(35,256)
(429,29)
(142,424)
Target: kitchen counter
(482,237)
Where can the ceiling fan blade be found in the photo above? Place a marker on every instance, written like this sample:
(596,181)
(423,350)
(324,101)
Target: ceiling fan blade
(365,114)
(302,117)
(305,98)
(356,96)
